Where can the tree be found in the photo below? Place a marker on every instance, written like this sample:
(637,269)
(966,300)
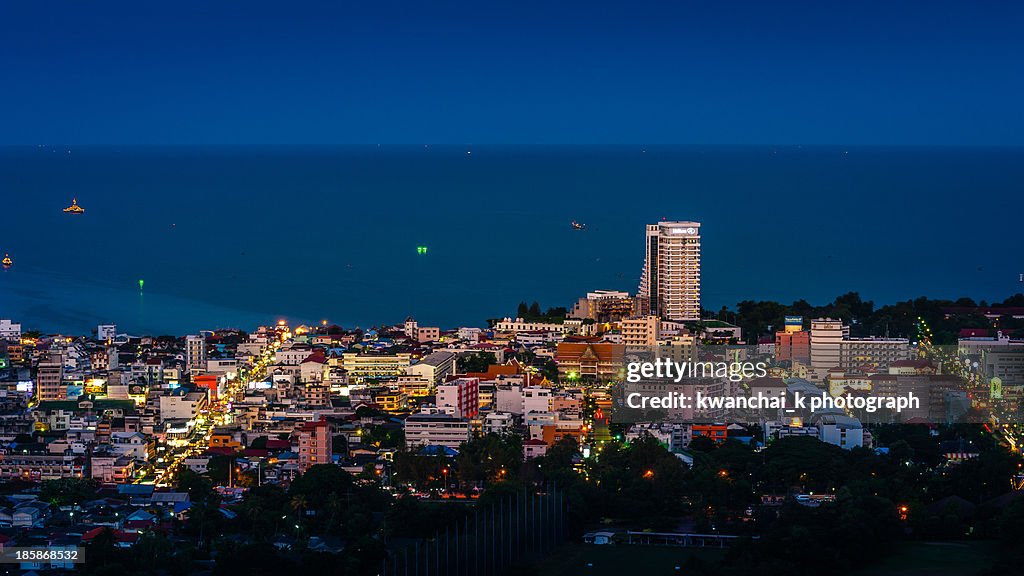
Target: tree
(199,488)
(222,469)
(253,560)
(263,508)
(64,491)
(319,482)
(298,504)
(419,470)
(489,458)
(476,362)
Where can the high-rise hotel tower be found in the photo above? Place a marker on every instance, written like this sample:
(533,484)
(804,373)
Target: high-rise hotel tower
(670,283)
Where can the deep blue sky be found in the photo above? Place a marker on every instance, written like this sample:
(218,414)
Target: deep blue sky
(709,72)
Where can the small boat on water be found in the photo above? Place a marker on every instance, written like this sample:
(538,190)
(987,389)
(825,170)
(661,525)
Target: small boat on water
(74,208)
(7,262)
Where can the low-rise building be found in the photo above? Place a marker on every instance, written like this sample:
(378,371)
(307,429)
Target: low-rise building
(436,429)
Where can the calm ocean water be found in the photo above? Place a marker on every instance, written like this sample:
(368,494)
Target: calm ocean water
(237,237)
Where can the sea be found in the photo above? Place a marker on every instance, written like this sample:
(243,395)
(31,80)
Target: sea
(237,237)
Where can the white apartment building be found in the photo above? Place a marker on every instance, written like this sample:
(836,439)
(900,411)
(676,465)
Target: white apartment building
(826,339)
(832,347)
(977,345)
(436,429)
(361,367)
(840,430)
(670,281)
(640,333)
(10,330)
(519,325)
(222,366)
(195,353)
(462,395)
(182,406)
(536,399)
(106,332)
(434,367)
(498,423)
(293,355)
(509,398)
(130,444)
(873,351)
(677,348)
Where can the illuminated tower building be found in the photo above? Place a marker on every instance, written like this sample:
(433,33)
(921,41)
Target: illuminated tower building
(670,282)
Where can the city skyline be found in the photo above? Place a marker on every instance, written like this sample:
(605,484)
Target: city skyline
(146,208)
(360,288)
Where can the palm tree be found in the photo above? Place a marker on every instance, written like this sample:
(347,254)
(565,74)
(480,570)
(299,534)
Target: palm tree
(254,510)
(333,507)
(298,504)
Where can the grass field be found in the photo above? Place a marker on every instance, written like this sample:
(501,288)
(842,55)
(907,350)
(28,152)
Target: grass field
(935,559)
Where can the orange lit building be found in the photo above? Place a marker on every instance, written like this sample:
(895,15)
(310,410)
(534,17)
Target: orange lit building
(552,434)
(793,346)
(589,360)
(392,401)
(223,440)
(314,444)
(717,432)
(207,381)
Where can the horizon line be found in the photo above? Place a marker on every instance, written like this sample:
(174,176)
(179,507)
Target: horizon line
(499,145)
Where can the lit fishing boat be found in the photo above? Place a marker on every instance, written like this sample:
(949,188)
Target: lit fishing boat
(74,208)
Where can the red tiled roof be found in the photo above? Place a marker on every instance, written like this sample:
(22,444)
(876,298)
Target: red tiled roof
(119,535)
(311,426)
(982,332)
(136,524)
(495,370)
(603,351)
(317,357)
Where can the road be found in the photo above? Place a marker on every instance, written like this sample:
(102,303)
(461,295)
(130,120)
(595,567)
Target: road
(220,413)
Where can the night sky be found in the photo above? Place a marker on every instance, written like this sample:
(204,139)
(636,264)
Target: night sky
(689,72)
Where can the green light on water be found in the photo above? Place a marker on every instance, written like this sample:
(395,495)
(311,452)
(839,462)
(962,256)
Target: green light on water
(141,284)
